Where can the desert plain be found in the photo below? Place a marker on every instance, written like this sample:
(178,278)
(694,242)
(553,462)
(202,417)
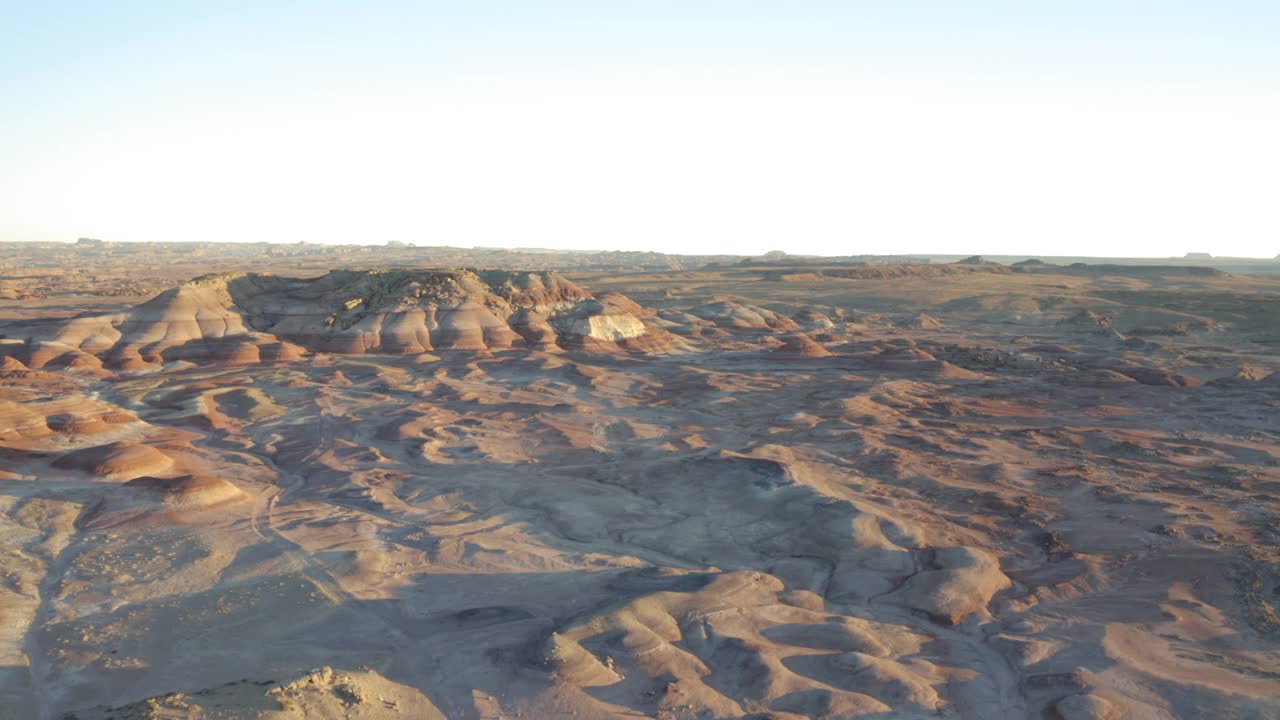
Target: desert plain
(412,483)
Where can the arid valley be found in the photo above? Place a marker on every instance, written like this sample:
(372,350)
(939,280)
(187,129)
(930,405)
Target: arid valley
(411,483)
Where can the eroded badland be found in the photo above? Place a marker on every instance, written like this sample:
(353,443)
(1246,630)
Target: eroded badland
(740,491)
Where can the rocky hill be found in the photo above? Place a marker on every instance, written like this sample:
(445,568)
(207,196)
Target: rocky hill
(249,317)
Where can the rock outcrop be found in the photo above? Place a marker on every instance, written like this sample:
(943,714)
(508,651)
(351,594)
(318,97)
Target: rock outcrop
(730,314)
(922,321)
(252,318)
(961,582)
(184,492)
(116,461)
(801,345)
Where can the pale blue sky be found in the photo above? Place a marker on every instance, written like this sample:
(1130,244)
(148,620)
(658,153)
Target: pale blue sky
(1144,128)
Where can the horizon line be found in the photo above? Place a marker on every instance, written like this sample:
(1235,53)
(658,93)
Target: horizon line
(408,244)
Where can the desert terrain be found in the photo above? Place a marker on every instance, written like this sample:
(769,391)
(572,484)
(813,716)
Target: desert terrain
(419,483)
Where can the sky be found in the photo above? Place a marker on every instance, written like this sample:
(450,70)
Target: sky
(1106,128)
